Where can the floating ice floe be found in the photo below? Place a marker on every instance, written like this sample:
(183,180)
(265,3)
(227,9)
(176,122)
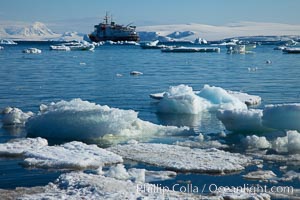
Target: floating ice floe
(17,147)
(248,99)
(79,185)
(137,175)
(291,50)
(74,155)
(182,99)
(32,51)
(82,120)
(15,116)
(109,42)
(136,73)
(60,48)
(190,49)
(263,175)
(1,48)
(282,116)
(187,159)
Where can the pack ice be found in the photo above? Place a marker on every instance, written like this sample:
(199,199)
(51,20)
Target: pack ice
(184,159)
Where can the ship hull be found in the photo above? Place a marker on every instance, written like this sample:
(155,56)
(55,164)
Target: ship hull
(94,38)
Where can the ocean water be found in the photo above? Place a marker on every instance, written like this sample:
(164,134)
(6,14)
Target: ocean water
(29,80)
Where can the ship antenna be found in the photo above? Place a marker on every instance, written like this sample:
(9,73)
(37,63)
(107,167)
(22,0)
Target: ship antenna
(106,18)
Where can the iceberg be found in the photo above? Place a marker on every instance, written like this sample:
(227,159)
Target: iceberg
(184,159)
(282,116)
(241,119)
(82,120)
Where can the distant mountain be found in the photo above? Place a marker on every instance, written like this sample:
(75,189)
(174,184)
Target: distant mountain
(192,31)
(36,31)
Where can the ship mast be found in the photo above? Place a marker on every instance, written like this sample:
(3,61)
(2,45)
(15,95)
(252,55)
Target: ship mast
(106,18)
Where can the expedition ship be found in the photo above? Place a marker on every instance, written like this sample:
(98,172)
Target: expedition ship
(109,30)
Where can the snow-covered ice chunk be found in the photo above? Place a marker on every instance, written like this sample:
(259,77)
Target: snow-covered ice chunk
(82,120)
(256,142)
(241,119)
(289,143)
(17,147)
(32,51)
(138,175)
(184,159)
(15,116)
(221,98)
(181,99)
(1,47)
(263,175)
(282,116)
(74,155)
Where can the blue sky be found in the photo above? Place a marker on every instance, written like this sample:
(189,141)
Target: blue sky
(150,12)
(214,12)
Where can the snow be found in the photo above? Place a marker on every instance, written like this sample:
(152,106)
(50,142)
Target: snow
(17,147)
(181,99)
(15,116)
(83,120)
(183,159)
(282,116)
(74,155)
(32,51)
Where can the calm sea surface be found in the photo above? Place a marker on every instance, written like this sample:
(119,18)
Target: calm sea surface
(30,80)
